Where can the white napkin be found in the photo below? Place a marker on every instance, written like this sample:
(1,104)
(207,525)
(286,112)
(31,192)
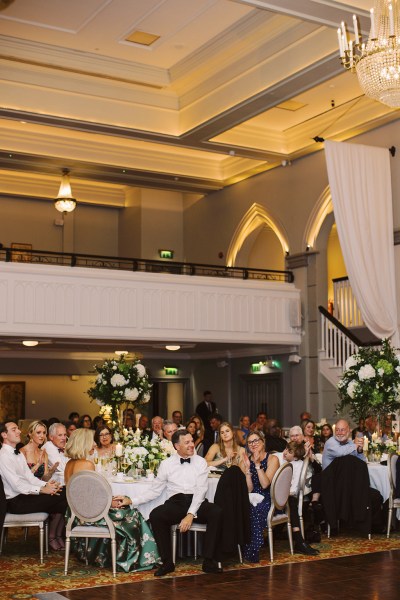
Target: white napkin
(255,498)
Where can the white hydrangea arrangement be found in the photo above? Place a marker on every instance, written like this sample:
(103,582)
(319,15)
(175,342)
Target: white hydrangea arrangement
(118,384)
(370,384)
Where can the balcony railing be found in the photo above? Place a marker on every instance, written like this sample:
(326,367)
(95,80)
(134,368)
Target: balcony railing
(93,261)
(346,309)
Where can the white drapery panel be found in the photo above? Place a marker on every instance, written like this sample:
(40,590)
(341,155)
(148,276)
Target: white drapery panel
(359,179)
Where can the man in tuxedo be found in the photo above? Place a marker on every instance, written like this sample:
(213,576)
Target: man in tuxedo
(185,477)
(206,409)
(3,505)
(211,435)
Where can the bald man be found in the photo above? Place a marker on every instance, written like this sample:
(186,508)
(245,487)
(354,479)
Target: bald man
(341,444)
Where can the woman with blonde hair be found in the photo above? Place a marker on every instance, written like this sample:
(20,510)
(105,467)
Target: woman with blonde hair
(226,452)
(136,548)
(35,455)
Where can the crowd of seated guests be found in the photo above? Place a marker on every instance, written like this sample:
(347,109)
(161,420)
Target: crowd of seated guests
(54,451)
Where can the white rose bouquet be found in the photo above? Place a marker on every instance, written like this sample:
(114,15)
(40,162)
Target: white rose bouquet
(143,453)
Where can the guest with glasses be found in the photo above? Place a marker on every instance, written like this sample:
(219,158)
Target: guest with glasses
(260,470)
(104,440)
(85,422)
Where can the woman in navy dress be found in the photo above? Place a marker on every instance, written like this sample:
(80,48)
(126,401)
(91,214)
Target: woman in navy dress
(260,470)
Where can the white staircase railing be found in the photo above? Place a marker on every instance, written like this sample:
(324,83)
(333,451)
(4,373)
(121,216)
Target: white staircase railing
(335,344)
(346,309)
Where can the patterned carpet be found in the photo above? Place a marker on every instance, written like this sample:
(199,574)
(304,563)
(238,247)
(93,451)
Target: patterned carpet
(23,577)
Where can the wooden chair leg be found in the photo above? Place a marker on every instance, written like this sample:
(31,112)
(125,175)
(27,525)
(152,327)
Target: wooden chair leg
(67,548)
(41,542)
(389,523)
(114,557)
(174,534)
(271,543)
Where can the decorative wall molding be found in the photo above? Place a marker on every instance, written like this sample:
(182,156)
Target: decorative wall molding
(40,300)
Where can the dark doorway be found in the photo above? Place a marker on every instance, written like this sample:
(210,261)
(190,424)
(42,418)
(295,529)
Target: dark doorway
(261,393)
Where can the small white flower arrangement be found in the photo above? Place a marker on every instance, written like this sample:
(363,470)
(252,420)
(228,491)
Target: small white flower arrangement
(142,452)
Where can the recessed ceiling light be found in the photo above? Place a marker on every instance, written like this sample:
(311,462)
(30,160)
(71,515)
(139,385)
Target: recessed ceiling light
(172,348)
(121,352)
(30,343)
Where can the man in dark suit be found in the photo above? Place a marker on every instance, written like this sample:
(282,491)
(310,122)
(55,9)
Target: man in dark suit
(206,409)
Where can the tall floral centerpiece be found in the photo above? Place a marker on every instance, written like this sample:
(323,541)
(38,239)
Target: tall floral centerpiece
(119,384)
(370,384)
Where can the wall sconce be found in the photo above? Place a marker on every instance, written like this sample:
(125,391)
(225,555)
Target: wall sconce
(65,202)
(171,370)
(166,254)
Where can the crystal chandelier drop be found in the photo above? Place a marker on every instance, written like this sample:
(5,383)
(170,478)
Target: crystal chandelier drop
(376,62)
(65,202)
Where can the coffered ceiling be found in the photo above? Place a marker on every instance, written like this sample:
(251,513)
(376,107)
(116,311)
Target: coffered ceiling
(228,89)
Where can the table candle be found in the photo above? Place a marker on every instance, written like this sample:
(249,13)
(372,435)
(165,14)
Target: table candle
(365,446)
(118,450)
(374,437)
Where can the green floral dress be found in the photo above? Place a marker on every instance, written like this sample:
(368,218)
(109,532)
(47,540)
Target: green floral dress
(136,547)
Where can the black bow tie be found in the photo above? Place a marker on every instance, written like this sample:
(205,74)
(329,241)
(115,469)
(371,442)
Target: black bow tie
(185,460)
(16,451)
(61,450)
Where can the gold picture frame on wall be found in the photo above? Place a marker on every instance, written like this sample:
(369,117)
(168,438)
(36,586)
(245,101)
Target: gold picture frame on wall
(12,401)
(21,252)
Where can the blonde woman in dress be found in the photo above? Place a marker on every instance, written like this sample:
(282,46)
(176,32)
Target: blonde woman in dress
(136,548)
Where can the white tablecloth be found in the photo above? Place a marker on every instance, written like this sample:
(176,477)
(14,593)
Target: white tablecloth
(137,488)
(379,479)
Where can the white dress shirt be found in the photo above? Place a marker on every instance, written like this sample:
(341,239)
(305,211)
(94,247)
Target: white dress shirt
(16,475)
(186,478)
(56,456)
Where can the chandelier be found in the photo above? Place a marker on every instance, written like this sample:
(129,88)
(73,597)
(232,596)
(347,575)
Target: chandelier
(377,61)
(65,201)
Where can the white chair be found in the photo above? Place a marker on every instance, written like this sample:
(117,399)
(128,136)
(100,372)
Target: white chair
(280,490)
(89,497)
(302,485)
(394,502)
(195,528)
(39,519)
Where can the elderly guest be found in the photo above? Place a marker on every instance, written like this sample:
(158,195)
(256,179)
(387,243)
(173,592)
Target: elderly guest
(341,445)
(169,428)
(260,470)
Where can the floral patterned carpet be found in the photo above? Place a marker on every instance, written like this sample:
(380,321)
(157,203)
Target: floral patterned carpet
(22,576)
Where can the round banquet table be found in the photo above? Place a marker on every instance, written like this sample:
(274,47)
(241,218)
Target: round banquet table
(138,487)
(379,479)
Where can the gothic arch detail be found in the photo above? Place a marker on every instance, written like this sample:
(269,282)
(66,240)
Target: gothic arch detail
(320,211)
(254,217)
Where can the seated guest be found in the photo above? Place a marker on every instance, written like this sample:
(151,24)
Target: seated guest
(70,427)
(55,450)
(340,445)
(326,433)
(74,418)
(198,438)
(3,506)
(34,453)
(178,419)
(371,423)
(143,422)
(156,428)
(273,440)
(85,422)
(345,487)
(98,422)
(260,421)
(305,416)
(185,477)
(308,428)
(104,440)
(360,428)
(244,430)
(137,550)
(169,428)
(211,435)
(26,493)
(226,452)
(260,470)
(294,453)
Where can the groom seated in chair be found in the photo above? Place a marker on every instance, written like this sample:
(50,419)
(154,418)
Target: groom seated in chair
(185,477)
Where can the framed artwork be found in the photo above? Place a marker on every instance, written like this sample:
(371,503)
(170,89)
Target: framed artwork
(12,400)
(22,252)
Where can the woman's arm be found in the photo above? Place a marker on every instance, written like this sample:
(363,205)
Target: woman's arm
(247,472)
(211,454)
(265,477)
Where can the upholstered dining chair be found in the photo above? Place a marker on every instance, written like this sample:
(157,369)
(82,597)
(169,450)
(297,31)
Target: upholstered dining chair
(302,485)
(89,497)
(39,519)
(394,502)
(280,490)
